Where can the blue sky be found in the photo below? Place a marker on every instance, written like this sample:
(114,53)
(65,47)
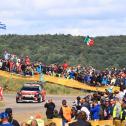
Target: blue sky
(76,17)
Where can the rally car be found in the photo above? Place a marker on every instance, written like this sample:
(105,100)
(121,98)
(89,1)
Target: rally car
(31,92)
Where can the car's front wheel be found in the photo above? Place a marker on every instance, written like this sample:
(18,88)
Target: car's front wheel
(40,99)
(17,100)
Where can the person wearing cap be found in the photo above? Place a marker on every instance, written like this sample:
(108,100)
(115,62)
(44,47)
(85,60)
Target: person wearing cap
(5,119)
(10,117)
(65,112)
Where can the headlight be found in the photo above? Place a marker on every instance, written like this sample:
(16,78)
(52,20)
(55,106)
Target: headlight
(37,94)
(18,94)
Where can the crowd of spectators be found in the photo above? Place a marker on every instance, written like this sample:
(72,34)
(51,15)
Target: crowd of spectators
(96,106)
(89,75)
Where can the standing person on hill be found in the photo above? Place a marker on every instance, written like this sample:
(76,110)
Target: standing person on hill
(65,66)
(10,117)
(1,93)
(50,109)
(65,112)
(27,60)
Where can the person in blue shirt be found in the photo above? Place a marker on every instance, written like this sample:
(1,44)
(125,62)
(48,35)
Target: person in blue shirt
(104,80)
(4,119)
(95,110)
(72,74)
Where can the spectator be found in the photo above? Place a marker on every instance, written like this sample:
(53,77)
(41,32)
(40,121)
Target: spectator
(107,110)
(84,109)
(4,119)
(117,109)
(10,117)
(112,104)
(65,112)
(123,113)
(95,110)
(50,109)
(56,114)
(6,55)
(104,80)
(39,119)
(27,60)
(1,93)
(1,64)
(43,94)
(52,124)
(39,68)
(81,120)
(23,124)
(85,103)
(34,123)
(77,103)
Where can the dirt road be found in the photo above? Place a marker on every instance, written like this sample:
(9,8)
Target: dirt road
(23,111)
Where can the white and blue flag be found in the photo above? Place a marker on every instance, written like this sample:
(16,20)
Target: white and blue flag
(2,26)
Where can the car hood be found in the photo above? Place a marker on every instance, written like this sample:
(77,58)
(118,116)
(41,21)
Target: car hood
(29,92)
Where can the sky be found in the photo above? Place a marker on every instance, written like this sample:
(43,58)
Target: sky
(75,17)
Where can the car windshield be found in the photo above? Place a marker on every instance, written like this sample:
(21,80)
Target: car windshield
(30,88)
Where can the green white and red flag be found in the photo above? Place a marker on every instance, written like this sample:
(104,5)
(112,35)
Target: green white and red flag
(89,41)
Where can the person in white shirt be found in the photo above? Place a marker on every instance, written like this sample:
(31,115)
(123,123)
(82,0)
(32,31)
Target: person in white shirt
(84,109)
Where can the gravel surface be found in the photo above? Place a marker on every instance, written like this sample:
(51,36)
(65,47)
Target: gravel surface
(23,111)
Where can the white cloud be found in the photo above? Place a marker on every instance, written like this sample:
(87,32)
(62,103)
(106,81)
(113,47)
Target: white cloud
(97,17)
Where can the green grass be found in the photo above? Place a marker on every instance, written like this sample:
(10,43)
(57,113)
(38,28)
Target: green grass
(2,104)
(62,90)
(13,85)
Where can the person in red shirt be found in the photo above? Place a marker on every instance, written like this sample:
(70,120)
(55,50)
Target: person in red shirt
(43,95)
(27,60)
(1,93)
(65,66)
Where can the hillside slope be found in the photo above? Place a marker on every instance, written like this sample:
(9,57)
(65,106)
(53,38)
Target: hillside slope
(56,80)
(106,52)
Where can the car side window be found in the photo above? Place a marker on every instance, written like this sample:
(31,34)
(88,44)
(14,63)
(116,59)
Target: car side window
(40,88)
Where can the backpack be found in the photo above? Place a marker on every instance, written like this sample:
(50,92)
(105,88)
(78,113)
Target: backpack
(124,114)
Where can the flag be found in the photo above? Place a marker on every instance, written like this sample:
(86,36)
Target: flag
(89,41)
(2,26)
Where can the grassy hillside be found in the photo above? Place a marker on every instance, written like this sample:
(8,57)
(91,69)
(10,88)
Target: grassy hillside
(107,51)
(13,85)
